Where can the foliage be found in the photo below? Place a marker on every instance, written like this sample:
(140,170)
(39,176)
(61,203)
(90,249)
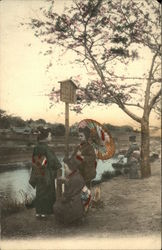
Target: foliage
(6,121)
(104,34)
(41,121)
(107,175)
(74,129)
(124,128)
(9,207)
(58,129)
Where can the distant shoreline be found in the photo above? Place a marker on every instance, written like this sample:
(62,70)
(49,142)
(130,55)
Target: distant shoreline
(20,152)
(14,166)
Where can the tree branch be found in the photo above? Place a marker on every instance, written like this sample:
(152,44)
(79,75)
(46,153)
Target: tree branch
(156,80)
(147,92)
(128,112)
(156,68)
(154,99)
(133,105)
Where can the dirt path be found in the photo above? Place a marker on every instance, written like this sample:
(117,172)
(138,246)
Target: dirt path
(130,207)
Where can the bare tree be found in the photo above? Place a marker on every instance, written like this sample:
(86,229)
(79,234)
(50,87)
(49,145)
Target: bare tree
(105,34)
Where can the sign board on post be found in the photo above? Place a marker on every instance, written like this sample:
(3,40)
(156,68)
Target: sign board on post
(68,91)
(67,95)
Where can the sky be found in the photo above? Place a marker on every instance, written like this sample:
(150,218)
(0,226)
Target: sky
(24,81)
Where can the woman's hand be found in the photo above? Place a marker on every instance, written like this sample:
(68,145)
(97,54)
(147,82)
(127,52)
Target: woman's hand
(79,153)
(61,179)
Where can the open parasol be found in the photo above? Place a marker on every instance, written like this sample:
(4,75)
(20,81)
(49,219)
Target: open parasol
(101,139)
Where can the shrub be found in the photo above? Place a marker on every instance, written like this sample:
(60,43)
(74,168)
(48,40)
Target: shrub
(95,182)
(107,175)
(9,207)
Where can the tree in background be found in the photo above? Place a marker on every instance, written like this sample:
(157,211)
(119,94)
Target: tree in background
(58,129)
(4,119)
(8,121)
(40,121)
(105,35)
(124,128)
(17,121)
(74,129)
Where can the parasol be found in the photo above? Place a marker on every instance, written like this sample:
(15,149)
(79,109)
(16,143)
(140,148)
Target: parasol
(101,139)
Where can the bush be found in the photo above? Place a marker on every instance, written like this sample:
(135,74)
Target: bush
(95,182)
(117,172)
(107,175)
(58,130)
(9,207)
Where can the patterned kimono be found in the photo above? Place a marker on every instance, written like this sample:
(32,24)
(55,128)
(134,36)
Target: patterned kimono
(86,165)
(44,172)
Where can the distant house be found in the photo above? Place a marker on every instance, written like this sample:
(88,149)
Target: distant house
(5,130)
(22,130)
(35,125)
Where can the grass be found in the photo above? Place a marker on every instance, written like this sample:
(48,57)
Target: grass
(10,206)
(107,175)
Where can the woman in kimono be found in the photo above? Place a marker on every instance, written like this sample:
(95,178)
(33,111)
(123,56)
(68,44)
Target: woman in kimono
(133,158)
(44,171)
(85,157)
(70,207)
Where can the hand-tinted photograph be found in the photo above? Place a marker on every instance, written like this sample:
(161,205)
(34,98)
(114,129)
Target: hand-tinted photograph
(80,124)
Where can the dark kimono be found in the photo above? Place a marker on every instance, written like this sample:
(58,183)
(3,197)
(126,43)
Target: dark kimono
(44,172)
(70,208)
(129,155)
(86,165)
(133,160)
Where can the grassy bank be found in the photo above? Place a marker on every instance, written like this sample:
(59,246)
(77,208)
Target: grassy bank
(130,207)
(10,206)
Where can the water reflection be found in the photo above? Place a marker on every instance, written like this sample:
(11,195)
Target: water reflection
(103,166)
(14,183)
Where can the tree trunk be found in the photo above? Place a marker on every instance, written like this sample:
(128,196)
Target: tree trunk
(145,149)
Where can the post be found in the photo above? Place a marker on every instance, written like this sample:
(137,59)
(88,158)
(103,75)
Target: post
(67,95)
(66,129)
(59,183)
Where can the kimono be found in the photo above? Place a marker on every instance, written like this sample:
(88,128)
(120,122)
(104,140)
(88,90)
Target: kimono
(129,155)
(43,174)
(70,207)
(133,160)
(86,165)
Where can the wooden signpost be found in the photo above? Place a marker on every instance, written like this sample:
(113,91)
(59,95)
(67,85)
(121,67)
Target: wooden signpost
(67,95)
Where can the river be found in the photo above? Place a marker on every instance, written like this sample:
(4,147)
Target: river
(14,183)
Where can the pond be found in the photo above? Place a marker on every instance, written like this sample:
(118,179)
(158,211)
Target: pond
(14,183)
